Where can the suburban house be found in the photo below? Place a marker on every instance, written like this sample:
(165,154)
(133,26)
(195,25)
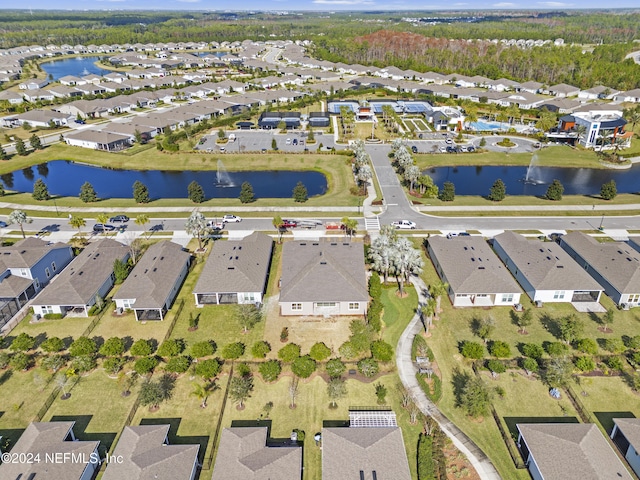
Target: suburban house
(626,435)
(370,448)
(593,129)
(26,267)
(52,440)
(236,271)
(154,282)
(146,454)
(245,453)
(568,451)
(614,265)
(544,270)
(476,277)
(88,277)
(323,278)
(99,140)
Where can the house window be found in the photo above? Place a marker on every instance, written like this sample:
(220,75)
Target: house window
(47,309)
(47,272)
(296,306)
(558,295)
(53,266)
(37,283)
(127,303)
(354,306)
(326,304)
(507,298)
(635,298)
(23,272)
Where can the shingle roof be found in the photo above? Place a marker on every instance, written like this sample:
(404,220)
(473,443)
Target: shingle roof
(86,273)
(97,136)
(237,265)
(146,457)
(48,438)
(323,271)
(630,428)
(572,451)
(348,451)
(471,266)
(243,454)
(153,277)
(545,264)
(617,262)
(13,285)
(26,253)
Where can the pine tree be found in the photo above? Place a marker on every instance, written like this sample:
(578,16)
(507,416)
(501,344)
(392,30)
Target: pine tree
(195,192)
(555,191)
(246,193)
(35,142)
(609,190)
(88,193)
(140,192)
(300,193)
(498,191)
(40,191)
(21,149)
(3,154)
(448,192)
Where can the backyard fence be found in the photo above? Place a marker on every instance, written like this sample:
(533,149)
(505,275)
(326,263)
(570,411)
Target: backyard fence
(50,399)
(208,461)
(175,318)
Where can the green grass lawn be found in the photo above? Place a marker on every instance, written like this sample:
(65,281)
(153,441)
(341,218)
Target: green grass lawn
(398,312)
(95,418)
(65,328)
(111,325)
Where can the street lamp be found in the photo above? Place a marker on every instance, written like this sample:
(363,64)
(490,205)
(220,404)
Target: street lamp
(601,222)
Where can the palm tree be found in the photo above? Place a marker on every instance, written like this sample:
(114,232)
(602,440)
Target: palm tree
(76,221)
(102,218)
(201,392)
(19,217)
(428,311)
(436,291)
(196,225)
(380,256)
(405,260)
(142,220)
(350,225)
(277,223)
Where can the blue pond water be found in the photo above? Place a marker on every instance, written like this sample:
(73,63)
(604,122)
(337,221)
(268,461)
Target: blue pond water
(78,66)
(65,178)
(576,181)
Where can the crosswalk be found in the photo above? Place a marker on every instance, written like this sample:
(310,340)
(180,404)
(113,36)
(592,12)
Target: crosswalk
(372,224)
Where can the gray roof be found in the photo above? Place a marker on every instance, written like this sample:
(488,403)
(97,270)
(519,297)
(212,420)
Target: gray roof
(80,281)
(147,457)
(97,136)
(347,451)
(617,262)
(26,253)
(48,438)
(237,265)
(325,270)
(13,285)
(630,428)
(471,266)
(243,454)
(545,264)
(153,277)
(572,451)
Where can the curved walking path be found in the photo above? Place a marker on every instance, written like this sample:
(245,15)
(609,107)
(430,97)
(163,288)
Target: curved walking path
(407,373)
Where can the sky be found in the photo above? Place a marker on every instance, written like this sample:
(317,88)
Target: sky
(323,5)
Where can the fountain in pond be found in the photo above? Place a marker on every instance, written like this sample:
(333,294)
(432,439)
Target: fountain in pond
(223,179)
(530,177)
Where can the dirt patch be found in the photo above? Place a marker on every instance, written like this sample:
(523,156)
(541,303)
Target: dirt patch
(458,466)
(605,330)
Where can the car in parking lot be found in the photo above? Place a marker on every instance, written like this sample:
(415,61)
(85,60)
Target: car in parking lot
(119,219)
(103,227)
(264,150)
(451,149)
(231,219)
(222,149)
(471,149)
(288,142)
(295,141)
(404,224)
(414,149)
(448,141)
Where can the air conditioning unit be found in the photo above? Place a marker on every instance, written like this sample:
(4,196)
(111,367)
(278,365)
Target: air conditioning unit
(539,304)
(518,307)
(624,306)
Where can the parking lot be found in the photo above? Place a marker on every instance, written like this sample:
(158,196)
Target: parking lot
(261,140)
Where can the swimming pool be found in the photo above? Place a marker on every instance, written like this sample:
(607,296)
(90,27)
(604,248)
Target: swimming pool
(481,125)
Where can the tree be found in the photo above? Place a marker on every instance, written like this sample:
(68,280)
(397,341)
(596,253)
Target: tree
(496,366)
(571,328)
(532,350)
(350,225)
(368,367)
(140,192)
(270,370)
(381,393)
(145,365)
(112,347)
(202,391)
(208,368)
(179,364)
(411,175)
(475,397)
(88,193)
(202,349)
(530,365)
(558,371)
(19,217)
(52,345)
(246,193)
(300,194)
(555,191)
(608,318)
(473,350)
(381,351)
(335,367)
(171,348)
(240,389)
(436,290)
(54,362)
(336,389)
(21,149)
(260,349)
(319,352)
(587,345)
(120,271)
(23,342)
(35,142)
(524,320)
(248,314)
(303,367)
(3,154)
(448,192)
(82,346)
(484,328)
(546,120)
(196,226)
(609,191)
(293,391)
(40,191)
(277,224)
(405,260)
(141,220)
(498,191)
(274,144)
(141,348)
(500,349)
(153,393)
(289,352)
(233,351)
(195,192)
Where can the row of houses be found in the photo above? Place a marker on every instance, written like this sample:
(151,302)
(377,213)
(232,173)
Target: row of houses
(577,270)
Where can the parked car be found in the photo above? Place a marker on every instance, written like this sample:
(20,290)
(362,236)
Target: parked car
(231,219)
(3,224)
(451,149)
(103,227)
(288,223)
(471,149)
(288,142)
(295,141)
(119,219)
(79,121)
(414,149)
(449,141)
(215,225)
(222,149)
(404,224)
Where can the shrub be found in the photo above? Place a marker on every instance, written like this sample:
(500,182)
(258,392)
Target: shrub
(84,363)
(171,348)
(348,350)
(375,286)
(555,191)
(532,350)
(587,345)
(145,365)
(609,191)
(113,365)
(615,363)
(179,364)
(585,364)
(233,351)
(284,334)
(374,314)
(20,361)
(614,345)
(260,349)
(208,369)
(303,367)
(203,349)
(141,348)
(634,342)
(381,351)
(53,316)
(112,347)
(82,346)
(426,463)
(54,362)
(52,345)
(270,370)
(319,352)
(556,349)
(368,367)
(4,360)
(23,342)
(335,367)
(473,350)
(500,349)
(530,364)
(496,366)
(289,352)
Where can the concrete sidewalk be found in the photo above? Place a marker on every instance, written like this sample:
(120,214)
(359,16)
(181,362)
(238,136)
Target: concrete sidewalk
(527,208)
(407,373)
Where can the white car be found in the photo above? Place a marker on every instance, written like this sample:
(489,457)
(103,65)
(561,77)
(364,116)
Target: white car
(231,219)
(288,142)
(404,224)
(215,225)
